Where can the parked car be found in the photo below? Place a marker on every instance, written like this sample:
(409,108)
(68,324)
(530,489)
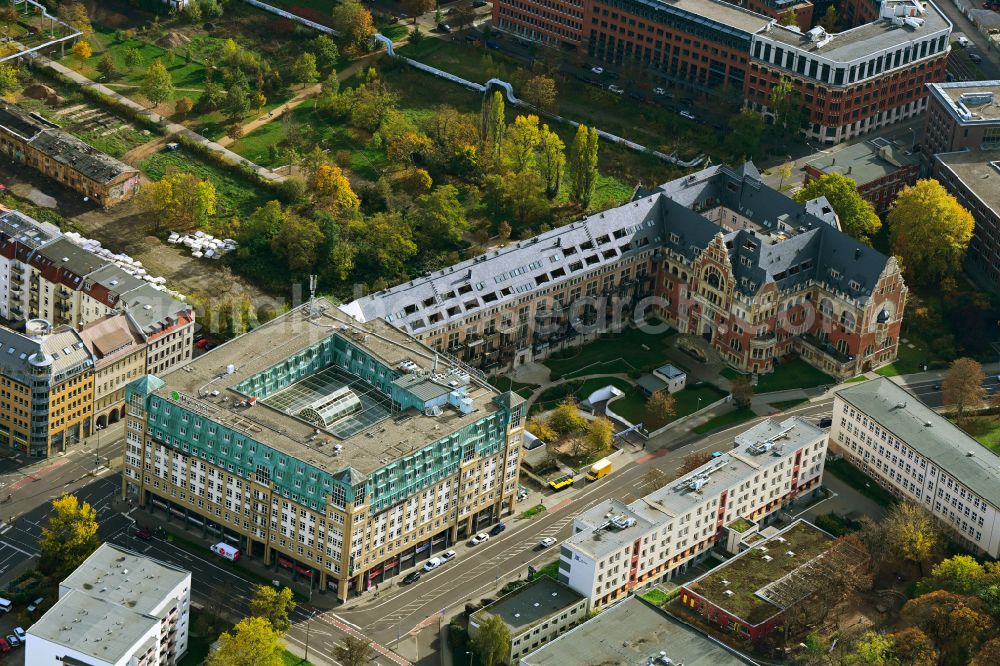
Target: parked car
(562,482)
(597,70)
(204,342)
(826,422)
(433,564)
(411,577)
(144,533)
(35,604)
(171,147)
(4,645)
(687,114)
(12,640)
(20,633)
(618,90)
(546,542)
(962,41)
(716,454)
(444,27)
(480,538)
(447,555)
(976,58)
(497,529)
(659,91)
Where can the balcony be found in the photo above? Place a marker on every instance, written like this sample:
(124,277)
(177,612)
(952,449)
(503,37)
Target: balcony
(63,294)
(763,339)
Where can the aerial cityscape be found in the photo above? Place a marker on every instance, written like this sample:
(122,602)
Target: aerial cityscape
(499,332)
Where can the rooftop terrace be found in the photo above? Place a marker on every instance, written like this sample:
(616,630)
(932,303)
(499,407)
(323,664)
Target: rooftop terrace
(738,584)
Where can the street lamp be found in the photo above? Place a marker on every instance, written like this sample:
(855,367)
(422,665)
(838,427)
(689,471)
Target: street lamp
(97,455)
(308,622)
(913,138)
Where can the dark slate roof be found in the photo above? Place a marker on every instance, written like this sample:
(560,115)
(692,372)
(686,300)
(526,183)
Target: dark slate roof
(58,145)
(795,243)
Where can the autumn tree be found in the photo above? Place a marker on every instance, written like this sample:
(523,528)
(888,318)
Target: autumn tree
(304,69)
(178,200)
(789,18)
(504,231)
(417,8)
(69,537)
(741,388)
(912,647)
(871,649)
(541,429)
(550,161)
(785,172)
(931,231)
(600,432)
(438,217)
(830,19)
(566,418)
(354,23)
(107,66)
(953,622)
(911,532)
(988,654)
(156,85)
(183,106)
(693,461)
(273,605)
(8,79)
(582,165)
(962,387)
(857,216)
(252,642)
(492,641)
(492,124)
(540,91)
(82,49)
(353,651)
(75,14)
(520,141)
(660,410)
(332,190)
(298,242)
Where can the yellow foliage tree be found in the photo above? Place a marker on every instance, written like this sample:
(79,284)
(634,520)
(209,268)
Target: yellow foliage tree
(273,605)
(520,141)
(179,200)
(69,537)
(542,430)
(660,408)
(599,434)
(931,231)
(333,190)
(82,49)
(566,418)
(913,533)
(252,642)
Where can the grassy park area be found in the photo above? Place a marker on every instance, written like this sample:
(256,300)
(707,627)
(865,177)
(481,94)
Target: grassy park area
(732,418)
(632,406)
(795,374)
(632,349)
(985,429)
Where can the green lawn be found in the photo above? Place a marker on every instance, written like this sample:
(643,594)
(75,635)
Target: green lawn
(235,196)
(632,406)
(655,596)
(909,360)
(854,380)
(792,375)
(860,481)
(290,659)
(723,420)
(729,373)
(986,431)
(632,349)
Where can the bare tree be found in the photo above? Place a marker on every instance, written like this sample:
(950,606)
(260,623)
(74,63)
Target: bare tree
(693,461)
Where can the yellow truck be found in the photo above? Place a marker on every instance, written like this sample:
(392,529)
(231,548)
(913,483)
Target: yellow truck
(599,469)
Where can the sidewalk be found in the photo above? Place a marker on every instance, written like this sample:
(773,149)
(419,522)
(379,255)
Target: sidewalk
(170,126)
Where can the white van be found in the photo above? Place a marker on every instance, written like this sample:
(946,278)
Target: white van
(226,551)
(963,41)
(5,605)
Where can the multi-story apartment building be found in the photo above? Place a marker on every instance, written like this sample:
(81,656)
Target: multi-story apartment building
(717,254)
(964,114)
(30,139)
(879,167)
(118,608)
(47,376)
(852,82)
(918,455)
(343,452)
(119,352)
(43,275)
(616,548)
(973,178)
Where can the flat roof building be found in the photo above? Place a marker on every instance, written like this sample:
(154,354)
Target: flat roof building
(535,614)
(118,608)
(617,547)
(634,633)
(880,167)
(919,455)
(426,452)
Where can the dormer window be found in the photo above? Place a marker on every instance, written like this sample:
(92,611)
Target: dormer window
(834,273)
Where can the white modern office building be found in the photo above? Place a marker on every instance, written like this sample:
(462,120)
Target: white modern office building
(618,547)
(119,608)
(919,455)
